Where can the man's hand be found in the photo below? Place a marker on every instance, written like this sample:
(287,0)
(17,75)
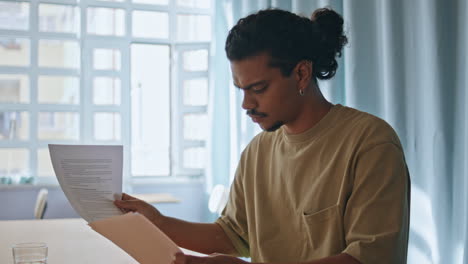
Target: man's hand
(201,237)
(132,204)
(181,258)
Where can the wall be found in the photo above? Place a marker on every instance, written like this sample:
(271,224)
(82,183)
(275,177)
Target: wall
(17,202)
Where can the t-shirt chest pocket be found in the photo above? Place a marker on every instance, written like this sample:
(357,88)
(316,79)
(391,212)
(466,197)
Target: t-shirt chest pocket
(324,230)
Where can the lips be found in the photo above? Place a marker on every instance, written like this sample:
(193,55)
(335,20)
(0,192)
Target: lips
(256,119)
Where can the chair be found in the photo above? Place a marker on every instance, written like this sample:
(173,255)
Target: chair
(41,204)
(218,199)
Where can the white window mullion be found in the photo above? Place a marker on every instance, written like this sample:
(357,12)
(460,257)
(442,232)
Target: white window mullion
(53,71)
(107,4)
(177,114)
(58,108)
(16,33)
(33,77)
(150,7)
(15,70)
(126,97)
(16,107)
(85,68)
(53,35)
(175,135)
(58,1)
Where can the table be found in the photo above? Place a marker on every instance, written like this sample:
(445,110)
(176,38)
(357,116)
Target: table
(70,241)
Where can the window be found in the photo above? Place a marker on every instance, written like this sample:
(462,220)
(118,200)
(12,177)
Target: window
(130,72)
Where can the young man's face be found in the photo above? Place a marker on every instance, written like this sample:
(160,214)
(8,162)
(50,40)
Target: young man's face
(270,98)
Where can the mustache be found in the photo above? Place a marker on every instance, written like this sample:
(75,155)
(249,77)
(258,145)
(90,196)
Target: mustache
(253,112)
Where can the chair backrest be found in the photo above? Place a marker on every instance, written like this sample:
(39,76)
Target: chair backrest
(41,204)
(218,199)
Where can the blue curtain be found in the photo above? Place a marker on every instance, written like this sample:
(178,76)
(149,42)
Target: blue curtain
(407,63)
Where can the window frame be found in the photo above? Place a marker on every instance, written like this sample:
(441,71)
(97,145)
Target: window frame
(85,73)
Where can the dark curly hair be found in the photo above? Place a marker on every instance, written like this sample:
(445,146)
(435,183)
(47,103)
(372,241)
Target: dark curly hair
(290,38)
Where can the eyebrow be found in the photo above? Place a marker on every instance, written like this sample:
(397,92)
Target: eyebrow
(250,86)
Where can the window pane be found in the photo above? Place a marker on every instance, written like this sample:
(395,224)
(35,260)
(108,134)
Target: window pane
(14,16)
(150,110)
(14,51)
(59,18)
(14,88)
(194,158)
(14,125)
(107,126)
(196,92)
(196,60)
(106,21)
(194,3)
(153,2)
(106,91)
(59,54)
(44,164)
(58,90)
(196,126)
(193,28)
(59,125)
(159,22)
(107,59)
(14,162)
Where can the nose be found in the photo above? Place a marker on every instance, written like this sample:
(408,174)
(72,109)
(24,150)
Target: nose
(248,102)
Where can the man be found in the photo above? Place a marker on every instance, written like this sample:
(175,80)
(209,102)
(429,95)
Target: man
(324,183)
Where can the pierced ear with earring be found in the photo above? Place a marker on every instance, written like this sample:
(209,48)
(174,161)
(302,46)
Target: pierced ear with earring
(303,72)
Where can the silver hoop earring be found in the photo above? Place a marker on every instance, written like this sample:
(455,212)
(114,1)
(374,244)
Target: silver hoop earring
(301,92)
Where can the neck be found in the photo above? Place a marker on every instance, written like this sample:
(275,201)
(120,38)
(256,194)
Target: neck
(314,108)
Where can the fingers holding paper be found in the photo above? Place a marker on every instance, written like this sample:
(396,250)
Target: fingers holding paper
(181,258)
(132,204)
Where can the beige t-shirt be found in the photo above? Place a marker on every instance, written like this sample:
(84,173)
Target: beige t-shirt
(341,186)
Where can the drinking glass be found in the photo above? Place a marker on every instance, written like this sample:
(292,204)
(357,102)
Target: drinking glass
(30,253)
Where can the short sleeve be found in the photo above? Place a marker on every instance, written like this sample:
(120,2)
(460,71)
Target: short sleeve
(233,219)
(376,219)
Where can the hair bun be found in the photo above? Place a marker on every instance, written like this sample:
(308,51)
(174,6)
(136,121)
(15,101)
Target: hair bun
(328,26)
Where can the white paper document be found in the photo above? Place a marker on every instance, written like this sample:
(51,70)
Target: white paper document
(90,177)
